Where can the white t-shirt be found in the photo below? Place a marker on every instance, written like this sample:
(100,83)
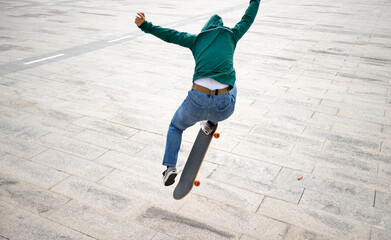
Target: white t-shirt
(210,83)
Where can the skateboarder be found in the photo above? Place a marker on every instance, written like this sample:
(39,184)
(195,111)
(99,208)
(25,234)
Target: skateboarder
(213,94)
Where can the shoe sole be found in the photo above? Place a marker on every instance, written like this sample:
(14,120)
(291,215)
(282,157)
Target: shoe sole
(170,179)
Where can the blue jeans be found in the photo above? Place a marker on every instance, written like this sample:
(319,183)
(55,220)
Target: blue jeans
(196,107)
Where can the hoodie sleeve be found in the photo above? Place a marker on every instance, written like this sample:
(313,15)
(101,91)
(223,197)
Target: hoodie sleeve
(241,27)
(169,35)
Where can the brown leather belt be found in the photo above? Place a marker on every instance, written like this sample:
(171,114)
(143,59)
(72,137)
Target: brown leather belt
(208,91)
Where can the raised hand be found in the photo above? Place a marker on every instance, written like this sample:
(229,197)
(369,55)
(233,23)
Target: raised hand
(140,18)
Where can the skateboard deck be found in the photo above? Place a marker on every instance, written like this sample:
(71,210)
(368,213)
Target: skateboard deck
(193,163)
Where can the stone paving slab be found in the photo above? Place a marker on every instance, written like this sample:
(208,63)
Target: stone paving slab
(28,171)
(295,232)
(17,223)
(99,224)
(86,99)
(182,227)
(326,224)
(72,165)
(29,196)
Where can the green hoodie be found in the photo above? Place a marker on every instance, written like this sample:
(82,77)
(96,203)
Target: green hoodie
(213,48)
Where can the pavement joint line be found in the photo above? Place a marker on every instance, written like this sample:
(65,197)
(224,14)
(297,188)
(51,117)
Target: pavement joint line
(44,59)
(119,39)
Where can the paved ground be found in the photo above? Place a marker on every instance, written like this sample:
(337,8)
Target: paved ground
(86,98)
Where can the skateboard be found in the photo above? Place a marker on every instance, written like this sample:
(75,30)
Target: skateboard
(194,161)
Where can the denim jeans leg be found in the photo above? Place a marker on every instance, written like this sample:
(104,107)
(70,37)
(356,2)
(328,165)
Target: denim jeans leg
(173,143)
(181,121)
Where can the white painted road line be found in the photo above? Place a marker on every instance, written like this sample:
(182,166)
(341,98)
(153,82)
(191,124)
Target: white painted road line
(43,59)
(119,39)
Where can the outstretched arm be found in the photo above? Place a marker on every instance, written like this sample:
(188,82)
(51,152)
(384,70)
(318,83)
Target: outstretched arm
(169,35)
(248,18)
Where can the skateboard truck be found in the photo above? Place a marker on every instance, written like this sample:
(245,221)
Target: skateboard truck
(207,127)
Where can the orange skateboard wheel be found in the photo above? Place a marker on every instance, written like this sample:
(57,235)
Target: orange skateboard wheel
(197,183)
(216,135)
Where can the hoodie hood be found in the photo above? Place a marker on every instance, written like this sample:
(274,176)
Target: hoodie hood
(214,21)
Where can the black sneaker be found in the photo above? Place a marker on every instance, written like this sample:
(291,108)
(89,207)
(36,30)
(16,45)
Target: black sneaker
(169,176)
